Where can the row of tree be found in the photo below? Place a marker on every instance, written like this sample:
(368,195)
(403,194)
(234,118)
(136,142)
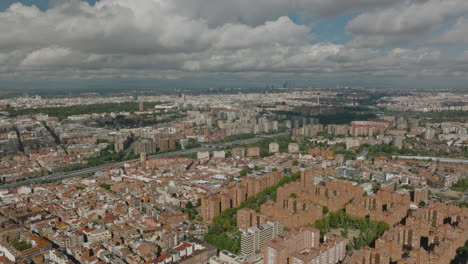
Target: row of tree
(222,232)
(64,112)
(368,230)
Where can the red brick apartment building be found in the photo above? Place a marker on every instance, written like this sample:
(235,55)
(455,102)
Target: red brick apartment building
(301,246)
(235,194)
(386,206)
(301,203)
(431,235)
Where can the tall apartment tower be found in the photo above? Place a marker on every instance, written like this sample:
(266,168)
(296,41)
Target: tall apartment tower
(143,157)
(307,179)
(255,238)
(278,250)
(141,106)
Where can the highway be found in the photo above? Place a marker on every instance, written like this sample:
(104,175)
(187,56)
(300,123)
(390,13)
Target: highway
(92,170)
(445,160)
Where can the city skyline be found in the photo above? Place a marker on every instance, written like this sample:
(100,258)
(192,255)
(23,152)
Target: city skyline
(299,176)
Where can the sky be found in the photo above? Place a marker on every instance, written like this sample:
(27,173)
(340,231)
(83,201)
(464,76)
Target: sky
(370,43)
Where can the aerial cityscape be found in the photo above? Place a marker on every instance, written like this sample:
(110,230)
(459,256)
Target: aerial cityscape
(233,132)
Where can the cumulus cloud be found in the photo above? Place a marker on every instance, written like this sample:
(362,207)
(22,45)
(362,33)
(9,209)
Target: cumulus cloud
(179,38)
(140,26)
(405,22)
(456,35)
(47,56)
(255,12)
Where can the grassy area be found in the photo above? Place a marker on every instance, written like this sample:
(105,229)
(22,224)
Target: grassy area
(462,255)
(192,143)
(264,145)
(140,121)
(222,232)
(387,150)
(372,98)
(237,137)
(432,117)
(349,155)
(368,230)
(447,196)
(283,143)
(66,111)
(105,186)
(110,156)
(106,156)
(20,245)
(348,115)
(460,186)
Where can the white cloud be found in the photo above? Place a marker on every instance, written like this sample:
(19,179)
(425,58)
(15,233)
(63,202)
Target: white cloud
(140,26)
(405,22)
(457,35)
(47,57)
(255,12)
(175,38)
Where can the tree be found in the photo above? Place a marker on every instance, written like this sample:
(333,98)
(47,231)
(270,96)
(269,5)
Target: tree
(20,245)
(369,230)
(295,163)
(461,185)
(376,187)
(222,234)
(421,204)
(344,233)
(105,186)
(325,210)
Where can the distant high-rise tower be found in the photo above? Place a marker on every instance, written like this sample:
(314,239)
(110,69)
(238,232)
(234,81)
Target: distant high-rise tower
(141,106)
(143,157)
